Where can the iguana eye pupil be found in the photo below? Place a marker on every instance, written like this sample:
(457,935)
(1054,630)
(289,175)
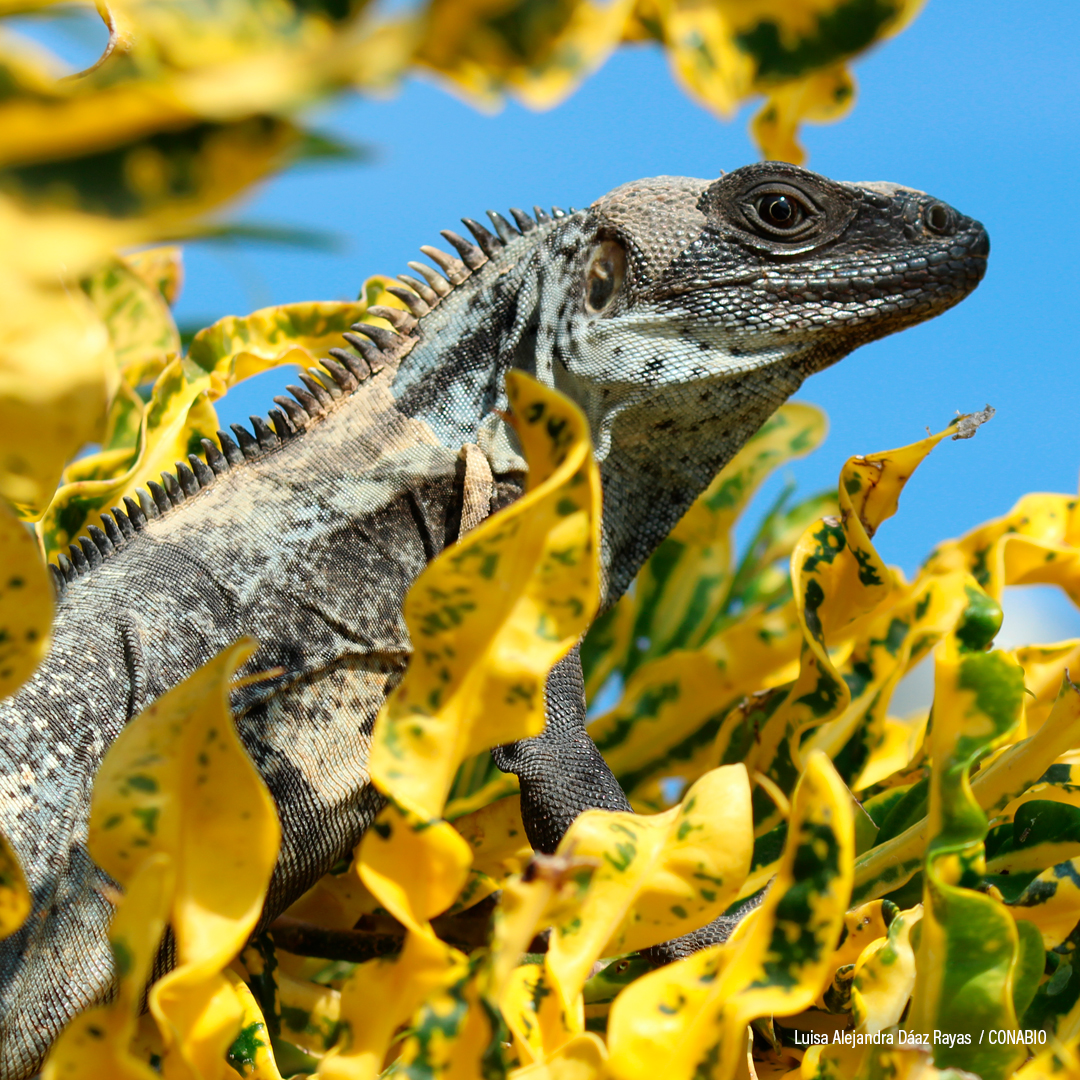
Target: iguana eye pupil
(779,211)
(607,267)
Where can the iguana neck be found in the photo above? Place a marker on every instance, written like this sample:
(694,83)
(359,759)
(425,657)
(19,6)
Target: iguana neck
(656,455)
(661,457)
(453,376)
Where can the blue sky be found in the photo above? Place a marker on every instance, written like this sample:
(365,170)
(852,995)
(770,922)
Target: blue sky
(975,103)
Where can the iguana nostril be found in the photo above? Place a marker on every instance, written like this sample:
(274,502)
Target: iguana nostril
(939,218)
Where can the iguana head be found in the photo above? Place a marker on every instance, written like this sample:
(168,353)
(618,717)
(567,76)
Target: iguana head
(679,313)
(693,285)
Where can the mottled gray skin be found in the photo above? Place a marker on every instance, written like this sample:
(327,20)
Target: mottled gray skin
(310,537)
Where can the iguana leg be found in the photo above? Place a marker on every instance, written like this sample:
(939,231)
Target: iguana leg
(562,773)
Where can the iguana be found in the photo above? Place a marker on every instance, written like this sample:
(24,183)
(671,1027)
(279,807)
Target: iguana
(678,313)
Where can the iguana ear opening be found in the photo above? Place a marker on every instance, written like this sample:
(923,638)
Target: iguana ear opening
(604,275)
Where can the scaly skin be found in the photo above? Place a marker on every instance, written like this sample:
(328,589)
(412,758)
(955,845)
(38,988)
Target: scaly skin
(678,313)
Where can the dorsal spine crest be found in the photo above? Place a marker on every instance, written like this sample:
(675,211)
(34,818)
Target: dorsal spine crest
(324,387)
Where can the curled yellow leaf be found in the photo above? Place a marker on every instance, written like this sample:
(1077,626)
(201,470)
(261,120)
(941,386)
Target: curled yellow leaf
(657,877)
(178,781)
(692,1015)
(885,975)
(493,613)
(98,1042)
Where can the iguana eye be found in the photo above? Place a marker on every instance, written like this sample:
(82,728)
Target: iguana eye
(781,212)
(604,275)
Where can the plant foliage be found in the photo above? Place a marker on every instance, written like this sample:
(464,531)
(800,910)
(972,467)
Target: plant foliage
(924,870)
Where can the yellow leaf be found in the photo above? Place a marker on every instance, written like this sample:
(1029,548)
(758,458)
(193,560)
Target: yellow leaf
(250,1054)
(968,947)
(840,585)
(538,1018)
(395,848)
(1060,783)
(1052,902)
(725,51)
(46,119)
(840,1062)
(836,573)
(658,1024)
(493,613)
(539,55)
(704,56)
(400,986)
(1055,1063)
(885,975)
(174,419)
(309,1013)
(822,97)
(581,1058)
(335,901)
(415,867)
(98,1041)
(488,618)
(671,698)
(862,926)
(496,837)
(162,268)
(1014,771)
(138,185)
(177,780)
(691,1015)
(892,863)
(141,329)
(235,348)
(1043,665)
(180,414)
(1033,543)
(909,617)
(551,887)
(48,409)
(26,603)
(657,877)
(551,891)
(496,788)
(899,742)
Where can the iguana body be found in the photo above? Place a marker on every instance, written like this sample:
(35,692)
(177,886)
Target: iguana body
(679,314)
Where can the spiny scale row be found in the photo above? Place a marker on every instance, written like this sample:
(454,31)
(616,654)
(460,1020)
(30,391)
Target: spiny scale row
(343,373)
(421,293)
(313,399)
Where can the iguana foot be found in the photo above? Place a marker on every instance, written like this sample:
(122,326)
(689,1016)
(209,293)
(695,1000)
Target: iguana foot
(563,774)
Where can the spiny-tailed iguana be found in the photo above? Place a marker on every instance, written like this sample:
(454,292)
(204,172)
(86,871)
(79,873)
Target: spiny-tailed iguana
(678,313)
